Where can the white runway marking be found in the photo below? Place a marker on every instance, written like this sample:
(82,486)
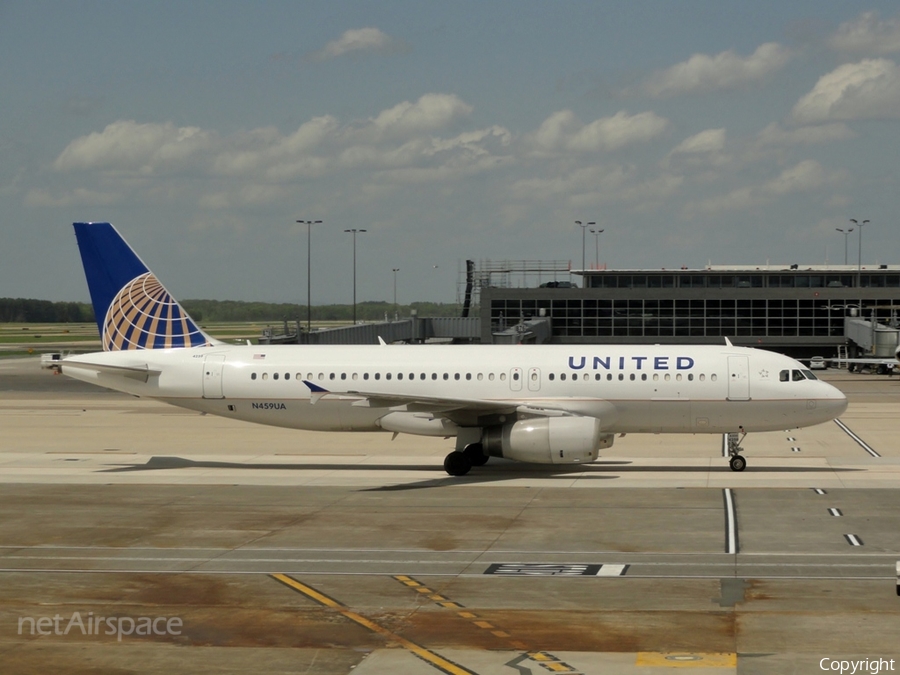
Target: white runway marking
(856,438)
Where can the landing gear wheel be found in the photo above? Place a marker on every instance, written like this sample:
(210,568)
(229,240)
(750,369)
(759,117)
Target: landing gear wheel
(737,463)
(474,452)
(457,464)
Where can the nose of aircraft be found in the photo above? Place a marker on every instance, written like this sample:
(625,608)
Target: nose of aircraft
(832,400)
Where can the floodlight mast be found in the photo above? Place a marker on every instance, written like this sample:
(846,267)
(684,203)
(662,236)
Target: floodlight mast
(309,224)
(354,231)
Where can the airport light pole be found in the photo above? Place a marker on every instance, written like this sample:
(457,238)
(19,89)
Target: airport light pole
(596,234)
(583,227)
(859,226)
(395,270)
(309,224)
(354,231)
(846,234)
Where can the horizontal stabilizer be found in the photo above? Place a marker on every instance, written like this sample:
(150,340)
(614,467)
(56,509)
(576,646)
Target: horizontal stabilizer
(140,373)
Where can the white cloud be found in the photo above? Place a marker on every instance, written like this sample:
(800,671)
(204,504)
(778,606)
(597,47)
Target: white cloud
(711,140)
(868,34)
(705,149)
(128,146)
(408,142)
(564,132)
(260,149)
(702,72)
(596,185)
(356,41)
(69,198)
(776,136)
(869,89)
(430,113)
(805,176)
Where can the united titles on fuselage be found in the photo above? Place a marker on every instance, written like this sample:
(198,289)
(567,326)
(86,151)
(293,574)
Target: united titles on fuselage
(637,362)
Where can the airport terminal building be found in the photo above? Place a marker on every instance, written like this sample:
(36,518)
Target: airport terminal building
(797,309)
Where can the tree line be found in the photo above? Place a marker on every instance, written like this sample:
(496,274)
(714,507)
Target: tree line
(22,310)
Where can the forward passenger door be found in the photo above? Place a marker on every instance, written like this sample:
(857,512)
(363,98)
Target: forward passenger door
(738,378)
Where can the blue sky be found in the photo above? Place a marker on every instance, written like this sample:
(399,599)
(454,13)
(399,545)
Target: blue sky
(691,132)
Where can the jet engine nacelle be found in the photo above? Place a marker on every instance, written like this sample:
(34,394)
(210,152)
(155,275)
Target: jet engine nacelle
(547,440)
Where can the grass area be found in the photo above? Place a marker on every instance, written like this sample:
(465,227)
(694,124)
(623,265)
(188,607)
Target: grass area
(43,337)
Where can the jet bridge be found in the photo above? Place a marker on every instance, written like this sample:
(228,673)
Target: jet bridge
(413,329)
(872,338)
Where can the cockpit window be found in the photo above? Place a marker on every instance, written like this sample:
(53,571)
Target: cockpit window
(796,375)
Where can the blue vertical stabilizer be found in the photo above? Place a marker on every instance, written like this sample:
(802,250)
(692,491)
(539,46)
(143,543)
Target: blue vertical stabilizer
(133,310)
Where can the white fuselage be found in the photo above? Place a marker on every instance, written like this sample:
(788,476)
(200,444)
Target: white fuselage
(629,388)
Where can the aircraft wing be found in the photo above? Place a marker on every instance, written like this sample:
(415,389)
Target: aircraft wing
(437,405)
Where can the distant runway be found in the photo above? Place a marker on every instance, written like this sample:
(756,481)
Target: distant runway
(286,551)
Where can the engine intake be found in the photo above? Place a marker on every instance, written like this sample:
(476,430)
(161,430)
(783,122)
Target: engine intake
(547,440)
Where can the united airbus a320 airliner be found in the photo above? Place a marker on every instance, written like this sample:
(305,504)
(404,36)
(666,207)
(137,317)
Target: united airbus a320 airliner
(550,404)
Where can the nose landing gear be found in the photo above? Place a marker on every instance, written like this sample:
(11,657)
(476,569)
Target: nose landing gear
(736,461)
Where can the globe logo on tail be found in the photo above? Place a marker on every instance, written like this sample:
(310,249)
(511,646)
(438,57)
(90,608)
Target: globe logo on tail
(144,316)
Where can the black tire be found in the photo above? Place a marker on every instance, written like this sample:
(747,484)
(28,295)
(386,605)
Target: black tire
(474,452)
(737,463)
(457,464)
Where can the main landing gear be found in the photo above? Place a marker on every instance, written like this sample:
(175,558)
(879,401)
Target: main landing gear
(458,463)
(736,461)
